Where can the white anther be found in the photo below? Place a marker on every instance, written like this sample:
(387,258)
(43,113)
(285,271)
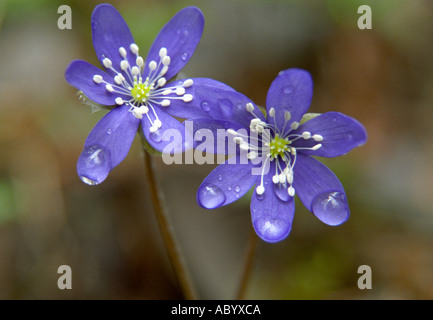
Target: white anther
(188,83)
(164,70)
(139,61)
(290,178)
(122,52)
(282,178)
(249,106)
(118,79)
(294,125)
(252,155)
(124,65)
(165,103)
(291,191)
(166,92)
(180,91)
(317,137)
(162,52)
(287,115)
(97,78)
(232,132)
(107,63)
(157,123)
(272,112)
(153,129)
(260,190)
(276,179)
(161,82)
(166,60)
(134,48)
(152,65)
(306,135)
(317,146)
(244,146)
(135,71)
(187,98)
(238,140)
(119,101)
(109,87)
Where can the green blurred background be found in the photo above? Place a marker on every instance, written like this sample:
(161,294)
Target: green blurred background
(108,234)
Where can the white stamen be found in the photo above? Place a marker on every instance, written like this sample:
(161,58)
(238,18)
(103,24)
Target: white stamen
(276,179)
(180,91)
(232,132)
(124,65)
(166,60)
(317,137)
(252,155)
(291,191)
(162,52)
(282,178)
(188,83)
(317,146)
(162,81)
(134,48)
(294,125)
(107,63)
(287,116)
(135,71)
(118,79)
(187,98)
(165,103)
(249,107)
(122,52)
(157,123)
(139,61)
(306,135)
(166,92)
(260,190)
(97,78)
(119,101)
(152,65)
(272,112)
(109,87)
(244,146)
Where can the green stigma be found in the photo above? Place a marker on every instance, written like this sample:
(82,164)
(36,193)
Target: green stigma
(278,146)
(140,92)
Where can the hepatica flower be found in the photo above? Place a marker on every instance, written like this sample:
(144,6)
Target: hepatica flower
(138,88)
(279,152)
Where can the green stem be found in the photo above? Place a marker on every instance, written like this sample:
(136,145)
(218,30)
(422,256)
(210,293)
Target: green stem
(248,264)
(167,232)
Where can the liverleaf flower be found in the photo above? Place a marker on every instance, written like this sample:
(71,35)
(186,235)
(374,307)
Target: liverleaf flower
(275,153)
(138,89)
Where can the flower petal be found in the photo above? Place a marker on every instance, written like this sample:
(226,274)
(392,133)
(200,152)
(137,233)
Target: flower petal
(340,134)
(198,106)
(107,145)
(225,184)
(109,33)
(170,137)
(320,191)
(180,36)
(271,217)
(292,90)
(80,75)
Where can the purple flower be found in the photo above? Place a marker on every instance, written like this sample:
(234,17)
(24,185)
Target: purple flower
(278,152)
(137,88)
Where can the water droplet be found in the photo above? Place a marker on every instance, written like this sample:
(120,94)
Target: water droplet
(109,131)
(272,229)
(156,136)
(260,196)
(220,177)
(205,106)
(331,208)
(287,90)
(229,188)
(210,196)
(94,164)
(237,189)
(184,56)
(88,181)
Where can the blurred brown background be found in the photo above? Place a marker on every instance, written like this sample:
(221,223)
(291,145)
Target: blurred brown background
(108,234)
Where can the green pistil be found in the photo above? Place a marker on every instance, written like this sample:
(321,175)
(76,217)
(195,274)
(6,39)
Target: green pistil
(140,92)
(278,146)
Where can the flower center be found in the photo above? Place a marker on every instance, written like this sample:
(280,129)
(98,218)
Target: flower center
(272,143)
(140,92)
(278,147)
(143,92)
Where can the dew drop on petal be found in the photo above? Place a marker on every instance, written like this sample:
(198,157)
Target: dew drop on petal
(272,229)
(109,131)
(156,136)
(220,177)
(210,196)
(229,188)
(237,189)
(205,106)
(331,208)
(287,90)
(184,56)
(94,164)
